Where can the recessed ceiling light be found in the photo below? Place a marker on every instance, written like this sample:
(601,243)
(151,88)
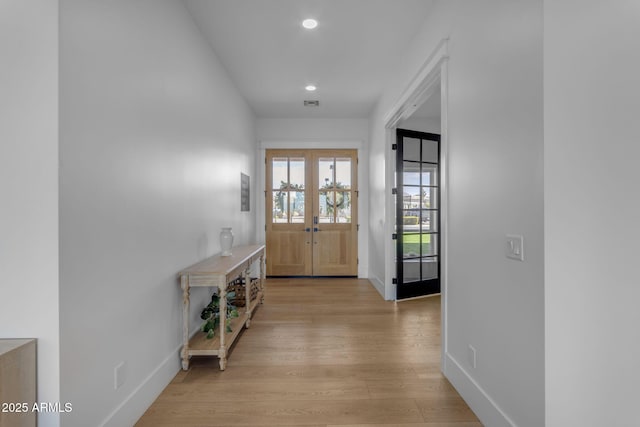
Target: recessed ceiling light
(309,24)
(310,88)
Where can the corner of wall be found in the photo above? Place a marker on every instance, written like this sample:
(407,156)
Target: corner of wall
(485,408)
(378,284)
(141,398)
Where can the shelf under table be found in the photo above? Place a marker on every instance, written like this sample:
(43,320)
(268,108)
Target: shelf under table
(200,345)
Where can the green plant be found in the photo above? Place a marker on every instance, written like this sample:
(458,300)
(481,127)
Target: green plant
(211,315)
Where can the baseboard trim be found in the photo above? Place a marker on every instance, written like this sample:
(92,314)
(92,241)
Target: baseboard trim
(140,399)
(378,284)
(476,397)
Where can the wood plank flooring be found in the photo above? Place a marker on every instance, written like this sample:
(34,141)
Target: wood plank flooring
(325,353)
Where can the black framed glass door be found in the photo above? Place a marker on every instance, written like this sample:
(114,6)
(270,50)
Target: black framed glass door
(417,214)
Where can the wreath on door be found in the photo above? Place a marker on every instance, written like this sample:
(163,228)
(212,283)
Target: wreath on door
(338,202)
(340,199)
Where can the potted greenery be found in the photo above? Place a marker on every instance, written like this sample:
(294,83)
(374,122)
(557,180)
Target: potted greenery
(211,315)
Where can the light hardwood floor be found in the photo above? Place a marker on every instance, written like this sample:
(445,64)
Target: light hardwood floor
(322,352)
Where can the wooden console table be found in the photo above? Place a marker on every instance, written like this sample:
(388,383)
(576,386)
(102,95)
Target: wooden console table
(218,271)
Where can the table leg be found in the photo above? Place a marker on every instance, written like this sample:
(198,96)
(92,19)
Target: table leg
(262,276)
(184,283)
(222,353)
(247,293)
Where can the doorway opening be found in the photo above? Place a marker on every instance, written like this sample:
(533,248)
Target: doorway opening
(428,88)
(311,213)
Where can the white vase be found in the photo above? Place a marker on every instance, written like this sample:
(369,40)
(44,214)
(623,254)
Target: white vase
(226,241)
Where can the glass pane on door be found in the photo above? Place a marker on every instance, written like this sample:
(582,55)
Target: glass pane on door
(419,244)
(429,151)
(413,197)
(411,173)
(429,197)
(411,149)
(429,174)
(429,244)
(279,177)
(343,173)
(429,268)
(325,173)
(296,206)
(280,207)
(296,173)
(343,207)
(287,174)
(411,269)
(325,207)
(428,221)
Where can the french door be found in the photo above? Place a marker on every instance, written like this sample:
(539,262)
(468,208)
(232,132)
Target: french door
(417,214)
(311,212)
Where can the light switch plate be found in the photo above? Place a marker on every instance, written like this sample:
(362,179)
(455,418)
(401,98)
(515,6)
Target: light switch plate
(514,247)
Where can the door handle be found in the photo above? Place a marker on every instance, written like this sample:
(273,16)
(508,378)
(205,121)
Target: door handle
(316,229)
(308,229)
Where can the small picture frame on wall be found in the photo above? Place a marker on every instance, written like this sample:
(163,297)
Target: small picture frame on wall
(245,184)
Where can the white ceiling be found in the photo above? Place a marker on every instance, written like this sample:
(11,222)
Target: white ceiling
(350,55)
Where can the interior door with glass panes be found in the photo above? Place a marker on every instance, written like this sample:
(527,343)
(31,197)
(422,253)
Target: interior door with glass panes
(335,213)
(288,208)
(311,207)
(417,214)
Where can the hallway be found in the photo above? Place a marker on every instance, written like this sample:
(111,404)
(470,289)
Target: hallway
(322,353)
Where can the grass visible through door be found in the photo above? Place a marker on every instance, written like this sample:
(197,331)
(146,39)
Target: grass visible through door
(411,244)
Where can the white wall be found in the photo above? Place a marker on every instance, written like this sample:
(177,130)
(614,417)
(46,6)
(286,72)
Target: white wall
(319,133)
(421,124)
(312,130)
(29,185)
(495,132)
(154,137)
(591,152)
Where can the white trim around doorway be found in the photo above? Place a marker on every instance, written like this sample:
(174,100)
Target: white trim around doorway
(433,72)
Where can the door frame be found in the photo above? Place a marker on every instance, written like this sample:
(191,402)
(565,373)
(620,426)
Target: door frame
(433,72)
(306,144)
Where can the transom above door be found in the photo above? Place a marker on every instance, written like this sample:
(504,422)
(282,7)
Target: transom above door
(311,212)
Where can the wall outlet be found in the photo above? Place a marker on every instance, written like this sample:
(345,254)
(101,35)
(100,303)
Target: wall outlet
(472,356)
(119,375)
(514,247)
